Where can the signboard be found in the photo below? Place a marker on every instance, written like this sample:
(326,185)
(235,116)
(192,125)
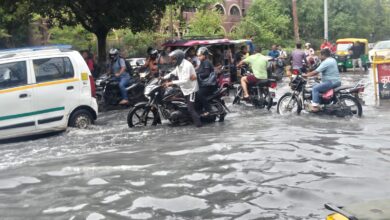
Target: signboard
(384,80)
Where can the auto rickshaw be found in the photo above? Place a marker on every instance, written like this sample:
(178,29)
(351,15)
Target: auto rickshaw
(370,210)
(343,55)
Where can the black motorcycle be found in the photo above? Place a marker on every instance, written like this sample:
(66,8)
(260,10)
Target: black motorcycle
(340,101)
(261,94)
(171,105)
(109,95)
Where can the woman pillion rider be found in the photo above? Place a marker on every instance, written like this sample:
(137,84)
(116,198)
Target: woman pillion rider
(206,78)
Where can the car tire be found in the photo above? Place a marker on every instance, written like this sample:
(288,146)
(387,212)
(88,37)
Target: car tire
(81,118)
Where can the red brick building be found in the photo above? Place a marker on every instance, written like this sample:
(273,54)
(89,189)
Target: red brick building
(233,11)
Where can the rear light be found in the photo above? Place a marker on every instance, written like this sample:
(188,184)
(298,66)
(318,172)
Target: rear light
(295,72)
(93,87)
(273,85)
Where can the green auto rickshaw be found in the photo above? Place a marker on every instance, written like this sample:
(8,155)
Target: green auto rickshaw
(343,55)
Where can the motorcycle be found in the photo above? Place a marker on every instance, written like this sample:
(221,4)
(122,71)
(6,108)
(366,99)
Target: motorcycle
(108,92)
(169,103)
(340,101)
(261,94)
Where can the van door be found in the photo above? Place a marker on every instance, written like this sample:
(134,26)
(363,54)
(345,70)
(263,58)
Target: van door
(56,91)
(16,114)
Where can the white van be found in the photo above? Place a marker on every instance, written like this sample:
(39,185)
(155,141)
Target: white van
(44,89)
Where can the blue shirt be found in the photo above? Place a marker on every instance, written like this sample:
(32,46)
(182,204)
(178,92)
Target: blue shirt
(251,47)
(273,53)
(118,65)
(329,70)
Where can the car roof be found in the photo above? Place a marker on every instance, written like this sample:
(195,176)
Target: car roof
(34,51)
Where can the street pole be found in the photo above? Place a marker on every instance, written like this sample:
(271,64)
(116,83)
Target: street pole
(295,18)
(326,19)
(171,21)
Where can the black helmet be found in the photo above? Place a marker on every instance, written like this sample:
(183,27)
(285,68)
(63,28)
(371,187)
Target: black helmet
(177,57)
(153,54)
(113,53)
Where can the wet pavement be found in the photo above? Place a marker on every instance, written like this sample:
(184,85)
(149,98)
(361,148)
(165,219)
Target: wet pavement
(255,165)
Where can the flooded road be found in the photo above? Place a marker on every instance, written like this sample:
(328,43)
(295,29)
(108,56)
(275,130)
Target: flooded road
(255,165)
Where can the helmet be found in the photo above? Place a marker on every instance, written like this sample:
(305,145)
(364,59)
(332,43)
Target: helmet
(113,53)
(203,51)
(153,53)
(177,57)
(307,44)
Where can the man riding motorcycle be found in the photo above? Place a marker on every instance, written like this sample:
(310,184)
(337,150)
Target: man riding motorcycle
(117,68)
(258,63)
(187,81)
(330,77)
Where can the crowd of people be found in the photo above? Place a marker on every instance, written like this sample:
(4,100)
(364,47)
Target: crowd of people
(196,70)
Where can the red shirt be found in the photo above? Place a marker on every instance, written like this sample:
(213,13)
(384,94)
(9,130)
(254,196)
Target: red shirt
(326,45)
(90,64)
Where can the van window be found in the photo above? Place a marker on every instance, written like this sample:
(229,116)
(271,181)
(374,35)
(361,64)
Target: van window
(50,69)
(13,74)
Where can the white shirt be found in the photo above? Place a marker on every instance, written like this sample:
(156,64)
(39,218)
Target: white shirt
(184,72)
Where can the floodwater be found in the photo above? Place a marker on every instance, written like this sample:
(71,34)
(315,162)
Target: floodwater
(255,165)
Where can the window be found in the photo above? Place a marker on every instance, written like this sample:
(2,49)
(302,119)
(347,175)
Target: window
(235,11)
(13,74)
(50,69)
(220,9)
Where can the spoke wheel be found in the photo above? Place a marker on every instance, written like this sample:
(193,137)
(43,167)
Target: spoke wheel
(352,104)
(141,116)
(288,105)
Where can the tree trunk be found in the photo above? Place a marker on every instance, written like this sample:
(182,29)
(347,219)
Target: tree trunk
(295,17)
(101,38)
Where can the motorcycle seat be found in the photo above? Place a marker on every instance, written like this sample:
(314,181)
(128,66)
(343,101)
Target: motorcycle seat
(342,88)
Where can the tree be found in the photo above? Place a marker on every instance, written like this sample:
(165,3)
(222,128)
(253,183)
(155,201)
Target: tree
(265,20)
(295,18)
(14,25)
(99,17)
(206,23)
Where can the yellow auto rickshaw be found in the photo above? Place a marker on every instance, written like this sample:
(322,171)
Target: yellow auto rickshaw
(369,210)
(343,57)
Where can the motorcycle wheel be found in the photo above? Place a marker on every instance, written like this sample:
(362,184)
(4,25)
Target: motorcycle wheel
(141,116)
(352,103)
(237,97)
(288,105)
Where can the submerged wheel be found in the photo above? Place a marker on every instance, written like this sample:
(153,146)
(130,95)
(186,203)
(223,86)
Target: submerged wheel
(289,104)
(353,104)
(141,116)
(81,119)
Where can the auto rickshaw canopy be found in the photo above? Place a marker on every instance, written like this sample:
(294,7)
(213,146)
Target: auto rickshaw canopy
(344,44)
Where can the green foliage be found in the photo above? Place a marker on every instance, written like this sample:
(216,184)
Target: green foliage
(266,21)
(135,44)
(14,25)
(206,23)
(77,36)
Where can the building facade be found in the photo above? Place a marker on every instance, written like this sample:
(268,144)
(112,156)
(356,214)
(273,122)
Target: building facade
(232,10)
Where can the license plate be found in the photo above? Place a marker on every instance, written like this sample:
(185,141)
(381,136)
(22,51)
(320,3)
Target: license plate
(272,93)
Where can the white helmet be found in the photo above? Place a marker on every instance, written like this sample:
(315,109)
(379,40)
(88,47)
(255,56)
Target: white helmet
(203,51)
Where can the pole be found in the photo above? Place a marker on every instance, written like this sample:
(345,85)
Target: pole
(171,21)
(295,17)
(326,19)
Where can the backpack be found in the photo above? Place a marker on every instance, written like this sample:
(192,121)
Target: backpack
(129,69)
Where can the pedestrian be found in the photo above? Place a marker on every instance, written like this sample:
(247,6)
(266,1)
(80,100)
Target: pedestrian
(89,60)
(356,51)
(298,58)
(250,45)
(274,53)
(326,44)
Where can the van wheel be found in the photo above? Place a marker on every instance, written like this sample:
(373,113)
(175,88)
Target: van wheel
(81,119)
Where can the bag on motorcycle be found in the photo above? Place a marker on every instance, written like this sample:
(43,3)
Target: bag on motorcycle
(211,80)
(129,69)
